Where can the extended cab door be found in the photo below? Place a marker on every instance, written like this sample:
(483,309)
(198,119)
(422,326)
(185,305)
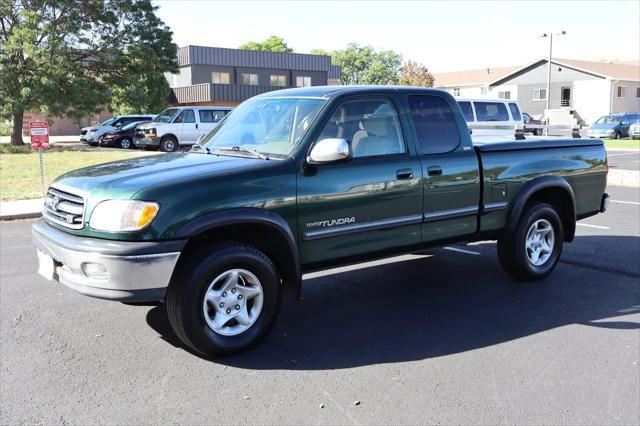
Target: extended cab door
(451,171)
(370,203)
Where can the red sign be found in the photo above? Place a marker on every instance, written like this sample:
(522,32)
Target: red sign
(39,131)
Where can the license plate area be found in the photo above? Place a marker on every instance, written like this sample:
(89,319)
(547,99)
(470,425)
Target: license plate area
(46,265)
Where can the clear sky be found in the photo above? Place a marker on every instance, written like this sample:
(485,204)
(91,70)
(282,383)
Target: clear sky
(445,36)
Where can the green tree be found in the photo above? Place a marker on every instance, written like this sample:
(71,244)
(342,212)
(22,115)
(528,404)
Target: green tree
(65,57)
(146,93)
(415,74)
(272,44)
(319,52)
(364,65)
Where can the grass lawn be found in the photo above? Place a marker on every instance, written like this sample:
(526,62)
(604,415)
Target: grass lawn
(20,173)
(622,143)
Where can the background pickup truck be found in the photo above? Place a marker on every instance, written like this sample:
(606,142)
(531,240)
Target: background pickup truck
(304,179)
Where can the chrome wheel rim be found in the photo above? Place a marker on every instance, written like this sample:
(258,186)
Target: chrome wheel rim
(125,143)
(540,241)
(169,145)
(233,302)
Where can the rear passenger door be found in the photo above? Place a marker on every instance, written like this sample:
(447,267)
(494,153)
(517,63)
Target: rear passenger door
(451,182)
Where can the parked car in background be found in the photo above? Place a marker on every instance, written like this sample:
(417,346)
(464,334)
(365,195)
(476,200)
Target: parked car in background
(634,130)
(613,126)
(92,134)
(492,117)
(179,126)
(122,137)
(530,124)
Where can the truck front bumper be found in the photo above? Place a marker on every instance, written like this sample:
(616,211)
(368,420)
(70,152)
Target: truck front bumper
(106,269)
(144,142)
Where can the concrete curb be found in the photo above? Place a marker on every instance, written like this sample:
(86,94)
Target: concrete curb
(16,216)
(621,177)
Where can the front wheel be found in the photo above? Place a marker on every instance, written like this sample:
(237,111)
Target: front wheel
(532,251)
(125,143)
(618,135)
(169,144)
(226,302)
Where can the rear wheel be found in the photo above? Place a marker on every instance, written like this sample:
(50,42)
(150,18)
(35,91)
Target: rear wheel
(169,144)
(532,251)
(125,143)
(225,302)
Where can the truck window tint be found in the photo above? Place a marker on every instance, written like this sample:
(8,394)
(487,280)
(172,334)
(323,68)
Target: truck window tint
(210,116)
(435,124)
(187,116)
(370,125)
(491,111)
(467,111)
(515,112)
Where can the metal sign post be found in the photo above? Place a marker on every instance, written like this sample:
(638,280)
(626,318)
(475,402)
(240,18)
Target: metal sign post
(39,132)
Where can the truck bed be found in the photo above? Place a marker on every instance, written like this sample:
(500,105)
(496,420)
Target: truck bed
(540,142)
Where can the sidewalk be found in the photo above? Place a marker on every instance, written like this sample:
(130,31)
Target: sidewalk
(21,209)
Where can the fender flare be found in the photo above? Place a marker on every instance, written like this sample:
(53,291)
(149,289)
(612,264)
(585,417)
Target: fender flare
(532,187)
(291,273)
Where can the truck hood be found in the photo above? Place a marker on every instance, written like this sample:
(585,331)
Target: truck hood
(122,179)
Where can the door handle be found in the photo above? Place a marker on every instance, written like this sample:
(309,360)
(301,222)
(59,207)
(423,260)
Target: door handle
(434,171)
(196,125)
(404,174)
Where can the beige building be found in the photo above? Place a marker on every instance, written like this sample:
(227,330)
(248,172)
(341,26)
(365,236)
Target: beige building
(581,91)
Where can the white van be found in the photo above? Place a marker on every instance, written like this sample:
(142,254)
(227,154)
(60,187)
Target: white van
(179,126)
(492,117)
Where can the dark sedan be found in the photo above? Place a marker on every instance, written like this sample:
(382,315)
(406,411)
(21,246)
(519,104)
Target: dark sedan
(122,137)
(531,124)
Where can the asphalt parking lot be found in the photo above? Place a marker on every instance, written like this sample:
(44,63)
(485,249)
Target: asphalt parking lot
(627,160)
(437,337)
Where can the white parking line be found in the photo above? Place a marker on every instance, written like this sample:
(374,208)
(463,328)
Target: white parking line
(587,225)
(625,202)
(475,253)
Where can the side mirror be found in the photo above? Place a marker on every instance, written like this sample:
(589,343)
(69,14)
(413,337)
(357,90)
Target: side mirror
(329,150)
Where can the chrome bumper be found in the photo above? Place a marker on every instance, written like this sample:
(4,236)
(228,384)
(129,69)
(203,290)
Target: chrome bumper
(108,269)
(146,141)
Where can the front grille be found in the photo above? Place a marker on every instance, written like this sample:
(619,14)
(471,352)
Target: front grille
(64,208)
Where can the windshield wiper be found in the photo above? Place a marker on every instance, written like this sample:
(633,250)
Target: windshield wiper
(252,152)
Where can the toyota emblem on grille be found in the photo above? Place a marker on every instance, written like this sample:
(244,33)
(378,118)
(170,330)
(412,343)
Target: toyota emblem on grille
(52,202)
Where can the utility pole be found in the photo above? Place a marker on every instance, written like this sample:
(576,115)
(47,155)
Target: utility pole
(546,129)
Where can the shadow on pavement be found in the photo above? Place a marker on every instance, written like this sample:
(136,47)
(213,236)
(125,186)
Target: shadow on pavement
(432,306)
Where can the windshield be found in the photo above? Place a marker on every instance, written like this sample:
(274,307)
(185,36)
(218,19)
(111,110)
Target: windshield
(270,126)
(109,121)
(131,125)
(608,119)
(166,116)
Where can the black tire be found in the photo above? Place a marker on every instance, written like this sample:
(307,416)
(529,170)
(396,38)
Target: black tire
(169,144)
(537,132)
(126,143)
(618,135)
(512,251)
(186,296)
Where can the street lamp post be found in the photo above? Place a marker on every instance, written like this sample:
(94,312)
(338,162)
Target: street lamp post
(550,36)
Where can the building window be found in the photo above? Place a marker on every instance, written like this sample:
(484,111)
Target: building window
(278,80)
(538,94)
(303,81)
(637,92)
(220,77)
(249,79)
(456,91)
(621,91)
(504,95)
(483,90)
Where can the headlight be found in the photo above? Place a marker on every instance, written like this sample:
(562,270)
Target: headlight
(150,133)
(123,215)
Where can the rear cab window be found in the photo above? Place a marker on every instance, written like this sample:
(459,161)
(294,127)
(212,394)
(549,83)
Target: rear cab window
(491,111)
(434,123)
(515,111)
(467,111)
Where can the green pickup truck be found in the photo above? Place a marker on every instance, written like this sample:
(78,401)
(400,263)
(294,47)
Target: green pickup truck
(304,179)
